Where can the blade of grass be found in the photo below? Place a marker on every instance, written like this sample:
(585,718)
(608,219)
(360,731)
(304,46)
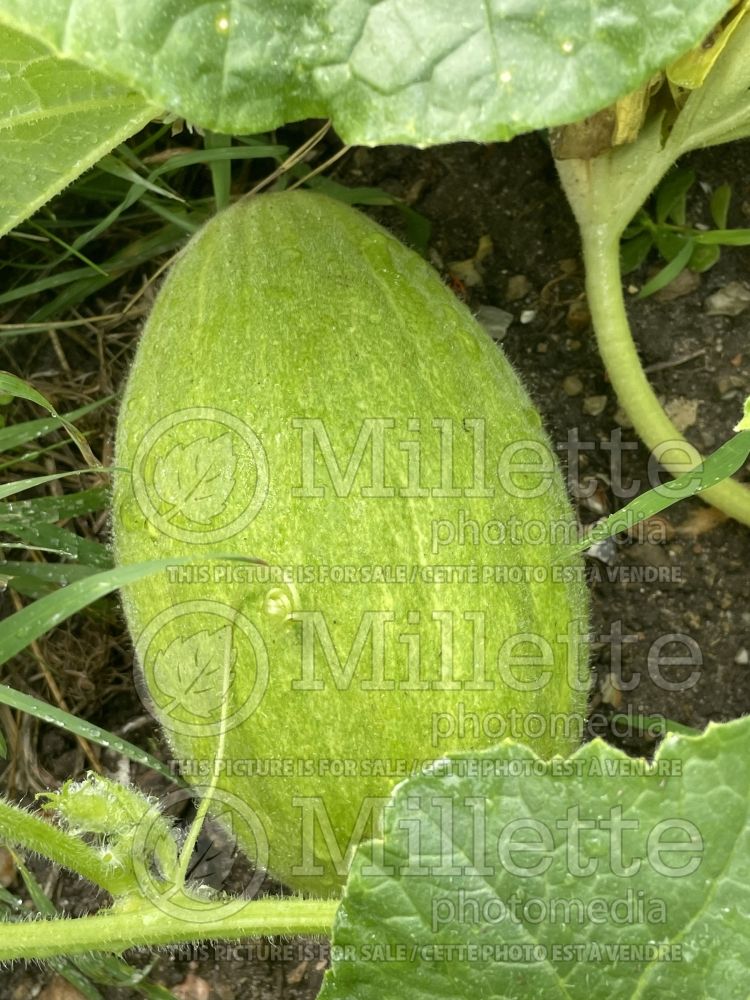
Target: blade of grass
(724,237)
(20,434)
(183,220)
(17,387)
(670,272)
(71,251)
(218,155)
(33,621)
(61,542)
(724,462)
(60,574)
(720,200)
(82,285)
(10,489)
(57,508)
(28,624)
(54,716)
(111,165)
(221,168)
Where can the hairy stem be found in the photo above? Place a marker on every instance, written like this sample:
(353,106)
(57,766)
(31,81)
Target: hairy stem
(185,919)
(20,828)
(620,357)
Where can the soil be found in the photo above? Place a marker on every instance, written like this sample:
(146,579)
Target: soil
(683,591)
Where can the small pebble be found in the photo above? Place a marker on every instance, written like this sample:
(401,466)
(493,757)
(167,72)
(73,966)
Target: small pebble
(729,383)
(192,988)
(60,989)
(742,658)
(594,405)
(572,385)
(605,551)
(518,287)
(528,316)
(579,317)
(685,283)
(495,321)
(682,412)
(611,694)
(7,868)
(731,300)
(622,418)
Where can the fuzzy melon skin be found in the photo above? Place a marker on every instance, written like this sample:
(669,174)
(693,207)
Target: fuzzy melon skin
(293,306)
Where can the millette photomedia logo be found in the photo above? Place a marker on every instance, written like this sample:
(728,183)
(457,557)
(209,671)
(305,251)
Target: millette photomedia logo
(200,475)
(204,668)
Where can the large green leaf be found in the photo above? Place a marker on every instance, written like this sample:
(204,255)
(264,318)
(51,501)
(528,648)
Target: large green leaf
(500,875)
(416,71)
(56,119)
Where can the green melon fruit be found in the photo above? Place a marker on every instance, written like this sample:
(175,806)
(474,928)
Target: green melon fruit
(308,393)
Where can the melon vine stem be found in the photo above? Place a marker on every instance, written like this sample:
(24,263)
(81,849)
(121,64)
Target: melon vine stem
(604,193)
(141,924)
(601,251)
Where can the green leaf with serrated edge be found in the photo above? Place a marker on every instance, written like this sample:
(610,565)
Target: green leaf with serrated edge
(57,119)
(654,725)
(500,875)
(416,71)
(721,464)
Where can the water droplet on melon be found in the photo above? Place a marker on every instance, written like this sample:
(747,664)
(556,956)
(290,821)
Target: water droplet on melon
(378,254)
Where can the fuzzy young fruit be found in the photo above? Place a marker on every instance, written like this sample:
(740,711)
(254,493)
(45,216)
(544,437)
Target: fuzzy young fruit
(308,393)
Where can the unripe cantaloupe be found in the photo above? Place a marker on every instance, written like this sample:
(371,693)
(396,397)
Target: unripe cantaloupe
(307,392)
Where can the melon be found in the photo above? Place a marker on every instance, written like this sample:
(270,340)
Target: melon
(309,395)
